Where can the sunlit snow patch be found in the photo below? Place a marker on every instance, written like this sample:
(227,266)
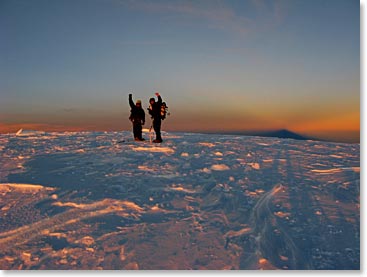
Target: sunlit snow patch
(23,187)
(219,167)
(25,133)
(155,149)
(254,165)
(208,144)
(336,170)
(180,188)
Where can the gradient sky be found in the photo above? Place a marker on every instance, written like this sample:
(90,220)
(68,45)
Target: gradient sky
(220,65)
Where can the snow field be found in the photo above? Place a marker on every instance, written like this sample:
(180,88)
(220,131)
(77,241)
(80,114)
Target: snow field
(205,201)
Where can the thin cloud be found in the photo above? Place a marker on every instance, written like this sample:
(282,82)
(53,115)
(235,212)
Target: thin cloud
(271,12)
(280,10)
(214,13)
(219,14)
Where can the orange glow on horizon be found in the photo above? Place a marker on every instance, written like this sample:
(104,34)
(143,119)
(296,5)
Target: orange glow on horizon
(204,122)
(344,122)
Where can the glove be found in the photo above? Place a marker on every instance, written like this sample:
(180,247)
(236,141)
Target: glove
(130,95)
(157,93)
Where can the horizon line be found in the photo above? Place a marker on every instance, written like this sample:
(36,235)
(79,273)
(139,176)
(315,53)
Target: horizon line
(324,135)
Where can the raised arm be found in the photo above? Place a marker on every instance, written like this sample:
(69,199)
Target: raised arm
(159,98)
(131,102)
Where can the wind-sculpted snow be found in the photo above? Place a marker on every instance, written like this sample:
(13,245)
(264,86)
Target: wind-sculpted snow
(103,201)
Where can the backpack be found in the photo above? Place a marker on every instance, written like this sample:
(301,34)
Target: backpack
(164,110)
(163,113)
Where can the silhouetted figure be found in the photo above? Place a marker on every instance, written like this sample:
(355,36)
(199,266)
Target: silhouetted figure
(137,117)
(155,111)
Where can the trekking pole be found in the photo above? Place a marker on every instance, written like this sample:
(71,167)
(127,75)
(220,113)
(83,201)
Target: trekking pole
(150,132)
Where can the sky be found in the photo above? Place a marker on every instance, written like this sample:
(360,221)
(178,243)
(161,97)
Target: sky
(220,65)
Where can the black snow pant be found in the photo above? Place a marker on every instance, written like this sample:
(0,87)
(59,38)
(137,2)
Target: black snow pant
(137,130)
(157,128)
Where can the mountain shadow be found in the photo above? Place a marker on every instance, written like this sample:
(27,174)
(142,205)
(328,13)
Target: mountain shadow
(283,133)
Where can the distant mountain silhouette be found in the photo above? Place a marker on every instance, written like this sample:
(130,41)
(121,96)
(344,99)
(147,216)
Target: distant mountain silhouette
(283,133)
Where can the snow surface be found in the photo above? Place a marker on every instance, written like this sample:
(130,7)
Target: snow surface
(86,200)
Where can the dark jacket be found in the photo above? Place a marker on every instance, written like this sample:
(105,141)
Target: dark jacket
(156,109)
(137,115)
